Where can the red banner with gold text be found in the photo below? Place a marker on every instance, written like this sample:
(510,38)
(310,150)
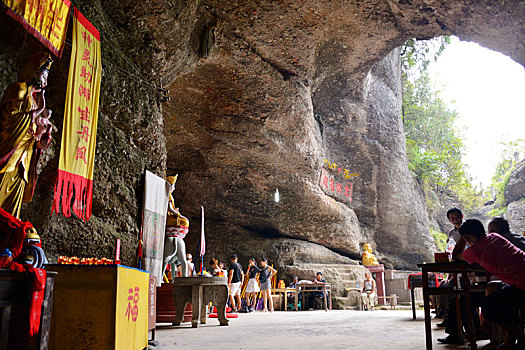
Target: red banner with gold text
(77,152)
(46,19)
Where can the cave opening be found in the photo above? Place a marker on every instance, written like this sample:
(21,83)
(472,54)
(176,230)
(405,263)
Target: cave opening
(457,151)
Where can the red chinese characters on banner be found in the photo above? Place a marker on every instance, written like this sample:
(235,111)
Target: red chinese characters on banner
(85,93)
(81,154)
(84,114)
(47,20)
(329,184)
(132,311)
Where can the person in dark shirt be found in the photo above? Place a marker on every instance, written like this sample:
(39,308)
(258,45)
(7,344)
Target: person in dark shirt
(252,288)
(501,226)
(291,295)
(235,279)
(265,277)
(293,284)
(319,279)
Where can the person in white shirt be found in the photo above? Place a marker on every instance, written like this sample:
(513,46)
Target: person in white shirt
(369,291)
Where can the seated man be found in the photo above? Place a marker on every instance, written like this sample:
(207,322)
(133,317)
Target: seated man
(294,283)
(319,292)
(501,226)
(504,261)
(291,295)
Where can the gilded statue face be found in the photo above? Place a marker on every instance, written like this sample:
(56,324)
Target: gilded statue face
(42,78)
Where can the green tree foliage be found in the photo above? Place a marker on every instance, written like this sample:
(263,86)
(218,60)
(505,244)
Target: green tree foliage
(416,55)
(440,238)
(512,152)
(434,145)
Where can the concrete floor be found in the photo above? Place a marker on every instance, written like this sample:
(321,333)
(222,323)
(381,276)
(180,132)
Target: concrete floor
(304,330)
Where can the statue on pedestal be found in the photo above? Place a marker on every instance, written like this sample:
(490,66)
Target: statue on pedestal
(369,258)
(176,229)
(22,103)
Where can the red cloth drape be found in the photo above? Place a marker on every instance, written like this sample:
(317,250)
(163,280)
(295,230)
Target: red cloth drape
(38,289)
(15,229)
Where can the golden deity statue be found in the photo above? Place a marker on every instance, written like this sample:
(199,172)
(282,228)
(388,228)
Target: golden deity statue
(368,257)
(22,103)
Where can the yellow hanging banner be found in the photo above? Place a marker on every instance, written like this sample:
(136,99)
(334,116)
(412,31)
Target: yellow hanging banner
(46,19)
(131,321)
(77,152)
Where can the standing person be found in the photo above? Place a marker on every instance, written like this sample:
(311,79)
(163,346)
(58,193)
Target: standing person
(369,292)
(215,268)
(265,277)
(235,279)
(191,266)
(455,217)
(253,286)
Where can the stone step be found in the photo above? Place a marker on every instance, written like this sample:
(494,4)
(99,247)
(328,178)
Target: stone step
(338,266)
(345,303)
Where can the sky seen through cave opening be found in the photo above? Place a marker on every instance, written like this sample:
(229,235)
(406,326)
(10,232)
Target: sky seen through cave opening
(487,89)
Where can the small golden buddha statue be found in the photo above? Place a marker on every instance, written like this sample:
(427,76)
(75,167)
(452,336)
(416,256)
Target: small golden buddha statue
(368,257)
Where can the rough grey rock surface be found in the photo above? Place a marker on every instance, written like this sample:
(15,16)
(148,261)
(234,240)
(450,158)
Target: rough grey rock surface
(516,216)
(482,214)
(516,187)
(261,93)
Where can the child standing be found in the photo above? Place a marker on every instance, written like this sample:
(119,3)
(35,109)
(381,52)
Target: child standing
(252,288)
(216,269)
(265,277)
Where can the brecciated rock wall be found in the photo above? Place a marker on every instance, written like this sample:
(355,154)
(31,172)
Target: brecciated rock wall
(515,199)
(130,140)
(515,189)
(262,92)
